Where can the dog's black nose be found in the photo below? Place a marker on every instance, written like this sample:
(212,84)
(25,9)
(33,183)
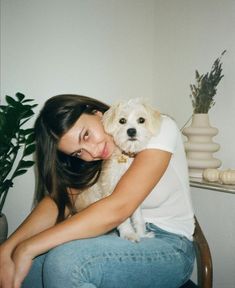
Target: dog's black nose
(131,132)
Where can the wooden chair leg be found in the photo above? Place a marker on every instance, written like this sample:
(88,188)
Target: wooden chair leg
(204,260)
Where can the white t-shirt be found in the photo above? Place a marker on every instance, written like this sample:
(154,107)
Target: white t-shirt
(169,204)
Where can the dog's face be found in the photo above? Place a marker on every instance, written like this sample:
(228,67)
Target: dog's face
(131,124)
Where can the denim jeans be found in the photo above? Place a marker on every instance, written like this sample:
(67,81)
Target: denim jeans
(109,261)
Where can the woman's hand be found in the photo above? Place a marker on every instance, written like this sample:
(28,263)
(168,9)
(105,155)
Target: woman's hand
(23,261)
(7,269)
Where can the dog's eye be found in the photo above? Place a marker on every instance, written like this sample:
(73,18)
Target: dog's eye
(122,121)
(141,120)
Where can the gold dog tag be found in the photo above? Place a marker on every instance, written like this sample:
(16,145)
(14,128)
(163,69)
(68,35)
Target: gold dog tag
(122,159)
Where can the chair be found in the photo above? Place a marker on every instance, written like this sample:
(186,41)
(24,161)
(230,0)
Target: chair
(204,260)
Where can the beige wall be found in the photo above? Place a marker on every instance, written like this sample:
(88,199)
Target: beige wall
(112,49)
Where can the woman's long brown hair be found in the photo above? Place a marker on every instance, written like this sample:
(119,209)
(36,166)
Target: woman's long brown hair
(57,172)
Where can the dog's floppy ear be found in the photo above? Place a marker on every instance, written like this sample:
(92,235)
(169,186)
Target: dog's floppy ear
(154,119)
(109,117)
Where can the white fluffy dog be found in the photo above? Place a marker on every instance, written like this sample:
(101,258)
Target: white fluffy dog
(131,124)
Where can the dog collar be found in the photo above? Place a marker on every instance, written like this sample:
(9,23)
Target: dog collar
(129,154)
(122,158)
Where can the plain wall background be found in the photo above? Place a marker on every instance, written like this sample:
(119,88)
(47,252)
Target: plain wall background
(117,49)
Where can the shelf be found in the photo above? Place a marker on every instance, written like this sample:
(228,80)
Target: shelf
(200,183)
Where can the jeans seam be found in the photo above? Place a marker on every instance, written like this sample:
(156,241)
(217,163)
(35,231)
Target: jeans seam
(190,261)
(131,256)
(80,270)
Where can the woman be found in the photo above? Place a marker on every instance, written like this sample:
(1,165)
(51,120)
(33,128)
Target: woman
(57,247)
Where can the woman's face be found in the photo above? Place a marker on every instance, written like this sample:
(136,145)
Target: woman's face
(87,139)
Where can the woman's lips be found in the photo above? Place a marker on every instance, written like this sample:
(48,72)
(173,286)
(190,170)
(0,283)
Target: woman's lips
(105,152)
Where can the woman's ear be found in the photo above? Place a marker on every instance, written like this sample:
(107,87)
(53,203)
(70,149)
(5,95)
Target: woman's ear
(98,113)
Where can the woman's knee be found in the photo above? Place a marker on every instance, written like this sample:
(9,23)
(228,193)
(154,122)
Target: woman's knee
(58,266)
(67,266)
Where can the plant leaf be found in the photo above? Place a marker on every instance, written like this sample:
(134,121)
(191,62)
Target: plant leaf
(28,100)
(27,114)
(20,172)
(20,96)
(11,101)
(29,150)
(27,131)
(30,139)
(25,164)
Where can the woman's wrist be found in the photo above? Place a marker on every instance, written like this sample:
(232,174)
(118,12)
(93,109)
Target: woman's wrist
(24,248)
(6,250)
(5,255)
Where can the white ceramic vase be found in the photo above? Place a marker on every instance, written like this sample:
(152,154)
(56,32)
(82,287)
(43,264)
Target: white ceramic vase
(200,146)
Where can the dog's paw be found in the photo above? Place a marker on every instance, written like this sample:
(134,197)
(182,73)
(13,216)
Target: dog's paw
(149,235)
(131,236)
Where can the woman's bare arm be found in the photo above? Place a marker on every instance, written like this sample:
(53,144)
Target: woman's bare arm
(104,215)
(41,218)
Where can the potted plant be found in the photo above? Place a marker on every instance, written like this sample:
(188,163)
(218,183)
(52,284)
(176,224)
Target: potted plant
(200,147)
(16,144)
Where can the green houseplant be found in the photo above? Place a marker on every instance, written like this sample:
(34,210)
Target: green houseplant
(16,143)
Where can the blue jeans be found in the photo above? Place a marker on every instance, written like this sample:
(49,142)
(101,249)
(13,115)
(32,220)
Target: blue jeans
(109,261)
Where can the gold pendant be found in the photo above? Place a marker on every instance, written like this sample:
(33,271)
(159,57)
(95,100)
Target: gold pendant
(122,159)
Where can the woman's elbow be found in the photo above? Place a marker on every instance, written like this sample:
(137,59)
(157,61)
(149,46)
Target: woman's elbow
(120,212)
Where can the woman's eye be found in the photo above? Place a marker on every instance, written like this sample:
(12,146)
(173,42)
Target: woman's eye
(78,153)
(122,121)
(86,135)
(141,120)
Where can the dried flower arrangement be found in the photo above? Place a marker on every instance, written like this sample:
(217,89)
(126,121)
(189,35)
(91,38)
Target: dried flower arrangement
(203,92)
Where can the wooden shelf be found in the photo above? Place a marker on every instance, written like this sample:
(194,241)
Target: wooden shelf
(200,183)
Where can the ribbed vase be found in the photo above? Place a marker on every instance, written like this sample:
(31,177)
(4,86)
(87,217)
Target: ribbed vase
(200,146)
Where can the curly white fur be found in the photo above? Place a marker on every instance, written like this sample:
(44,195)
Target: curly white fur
(131,124)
